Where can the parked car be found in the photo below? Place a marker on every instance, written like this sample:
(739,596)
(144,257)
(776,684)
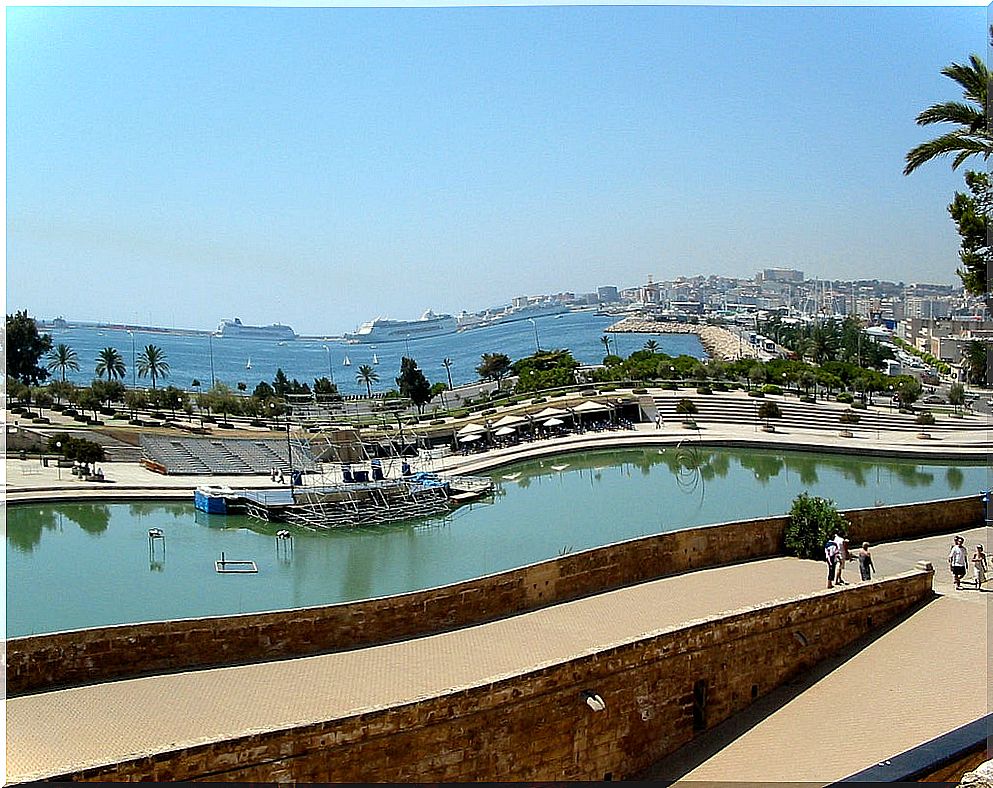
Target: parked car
(933,399)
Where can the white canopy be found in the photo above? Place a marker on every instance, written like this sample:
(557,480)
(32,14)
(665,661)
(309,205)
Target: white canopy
(471,429)
(505,431)
(508,421)
(547,413)
(554,422)
(589,406)
(475,436)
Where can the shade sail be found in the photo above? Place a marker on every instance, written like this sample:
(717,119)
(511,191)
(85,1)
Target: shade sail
(547,413)
(505,431)
(472,437)
(508,421)
(471,428)
(554,422)
(589,406)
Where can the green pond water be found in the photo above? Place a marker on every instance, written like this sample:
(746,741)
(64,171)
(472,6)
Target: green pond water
(73,566)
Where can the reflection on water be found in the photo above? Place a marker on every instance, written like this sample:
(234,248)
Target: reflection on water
(541,509)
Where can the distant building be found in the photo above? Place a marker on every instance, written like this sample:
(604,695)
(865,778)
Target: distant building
(780,275)
(930,308)
(607,294)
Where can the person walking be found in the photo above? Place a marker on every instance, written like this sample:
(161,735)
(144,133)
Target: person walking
(865,562)
(831,556)
(979,567)
(957,557)
(843,557)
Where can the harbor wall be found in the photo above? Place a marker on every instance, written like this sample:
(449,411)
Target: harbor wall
(42,662)
(658,693)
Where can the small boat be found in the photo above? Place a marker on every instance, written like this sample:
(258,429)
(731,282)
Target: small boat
(375,359)
(346,362)
(248,364)
(560,467)
(512,476)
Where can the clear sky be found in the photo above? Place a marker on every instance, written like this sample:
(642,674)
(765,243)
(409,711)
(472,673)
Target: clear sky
(322,166)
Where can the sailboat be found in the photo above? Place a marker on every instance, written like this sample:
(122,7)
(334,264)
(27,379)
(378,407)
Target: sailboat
(375,359)
(346,362)
(248,364)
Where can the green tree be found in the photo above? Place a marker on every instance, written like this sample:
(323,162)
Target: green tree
(972,137)
(135,400)
(325,389)
(25,348)
(545,370)
(769,410)
(152,362)
(822,343)
(605,340)
(89,400)
(264,391)
(367,375)
(652,346)
(493,366)
(108,390)
(956,395)
(977,355)
(909,390)
(812,522)
(412,383)
(111,364)
(223,400)
(971,213)
(61,358)
(686,407)
(280,383)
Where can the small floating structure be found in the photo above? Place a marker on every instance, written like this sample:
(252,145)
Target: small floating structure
(230,567)
(217,500)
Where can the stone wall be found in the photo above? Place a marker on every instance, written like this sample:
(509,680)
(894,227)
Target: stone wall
(45,662)
(659,692)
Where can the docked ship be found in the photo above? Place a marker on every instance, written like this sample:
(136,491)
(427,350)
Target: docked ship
(238,330)
(533,309)
(386,330)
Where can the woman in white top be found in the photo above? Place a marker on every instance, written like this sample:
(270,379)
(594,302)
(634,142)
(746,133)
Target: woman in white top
(979,566)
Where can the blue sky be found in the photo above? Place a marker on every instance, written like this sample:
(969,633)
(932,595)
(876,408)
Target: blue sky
(323,166)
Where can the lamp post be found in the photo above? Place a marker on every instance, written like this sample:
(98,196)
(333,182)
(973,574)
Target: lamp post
(537,346)
(330,370)
(210,343)
(58,461)
(134,370)
(786,385)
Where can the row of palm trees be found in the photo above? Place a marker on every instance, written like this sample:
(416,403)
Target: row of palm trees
(368,376)
(151,362)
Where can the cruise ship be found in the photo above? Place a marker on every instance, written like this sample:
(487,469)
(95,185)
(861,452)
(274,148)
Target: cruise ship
(238,330)
(385,330)
(533,309)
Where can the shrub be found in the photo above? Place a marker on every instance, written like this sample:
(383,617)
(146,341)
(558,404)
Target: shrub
(704,390)
(537,400)
(808,399)
(639,391)
(489,412)
(771,388)
(685,407)
(720,386)
(670,386)
(436,422)
(609,387)
(460,414)
(845,398)
(559,393)
(924,418)
(755,393)
(813,521)
(849,417)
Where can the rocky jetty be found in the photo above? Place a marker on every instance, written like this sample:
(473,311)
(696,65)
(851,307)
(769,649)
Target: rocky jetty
(717,341)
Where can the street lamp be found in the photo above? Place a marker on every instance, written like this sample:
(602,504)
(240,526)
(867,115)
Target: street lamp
(210,343)
(58,461)
(134,370)
(330,370)
(537,347)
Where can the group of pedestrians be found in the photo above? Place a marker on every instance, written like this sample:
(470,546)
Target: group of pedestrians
(958,562)
(837,555)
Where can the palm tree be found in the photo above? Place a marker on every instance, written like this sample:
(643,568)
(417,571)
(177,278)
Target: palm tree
(652,346)
(152,362)
(110,363)
(606,343)
(972,137)
(447,364)
(367,375)
(63,357)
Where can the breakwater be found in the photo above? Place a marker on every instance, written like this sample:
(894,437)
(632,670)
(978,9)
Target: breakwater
(717,341)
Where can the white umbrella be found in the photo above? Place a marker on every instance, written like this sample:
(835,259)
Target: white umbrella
(471,428)
(590,406)
(548,413)
(473,437)
(505,431)
(508,421)
(553,422)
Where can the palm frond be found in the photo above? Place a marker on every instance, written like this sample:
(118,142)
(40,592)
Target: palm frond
(974,78)
(957,142)
(953,112)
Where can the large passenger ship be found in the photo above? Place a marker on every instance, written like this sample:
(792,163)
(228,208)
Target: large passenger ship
(385,330)
(509,314)
(235,328)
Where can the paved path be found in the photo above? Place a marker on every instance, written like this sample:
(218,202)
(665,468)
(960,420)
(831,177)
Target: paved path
(919,680)
(58,732)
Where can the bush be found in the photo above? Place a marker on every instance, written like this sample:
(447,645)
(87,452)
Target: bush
(559,393)
(609,387)
(639,391)
(538,400)
(460,414)
(845,398)
(813,521)
(755,393)
(860,404)
(924,418)
(489,412)
(704,390)
(685,407)
(670,387)
(720,386)
(771,388)
(849,417)
(808,399)
(436,422)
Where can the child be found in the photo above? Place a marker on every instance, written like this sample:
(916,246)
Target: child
(979,566)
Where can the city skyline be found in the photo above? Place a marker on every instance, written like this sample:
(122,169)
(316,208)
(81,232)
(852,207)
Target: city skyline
(321,167)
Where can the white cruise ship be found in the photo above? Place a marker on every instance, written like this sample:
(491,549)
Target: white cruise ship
(534,309)
(235,328)
(386,330)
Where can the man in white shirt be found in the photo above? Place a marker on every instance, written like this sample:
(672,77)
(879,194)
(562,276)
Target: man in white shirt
(957,561)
